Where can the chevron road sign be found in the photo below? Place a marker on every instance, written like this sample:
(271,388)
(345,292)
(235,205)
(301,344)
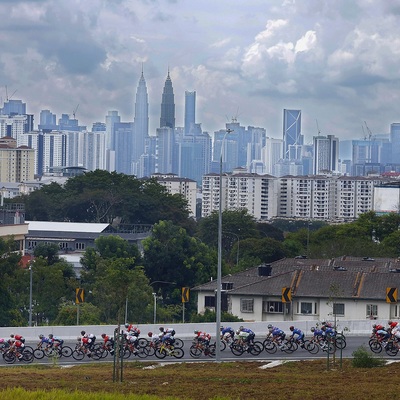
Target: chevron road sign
(391,295)
(185,294)
(80,295)
(286,295)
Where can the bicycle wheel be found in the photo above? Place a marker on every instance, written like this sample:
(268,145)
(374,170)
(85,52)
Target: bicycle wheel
(178,352)
(27,356)
(9,357)
(237,349)
(142,352)
(287,346)
(66,351)
(78,354)
(256,348)
(178,343)
(150,350)
(142,342)
(38,354)
(212,350)
(340,342)
(311,347)
(375,346)
(51,352)
(195,351)
(160,353)
(328,346)
(391,349)
(222,345)
(270,346)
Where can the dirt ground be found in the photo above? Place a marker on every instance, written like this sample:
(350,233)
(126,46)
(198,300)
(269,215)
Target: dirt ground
(211,380)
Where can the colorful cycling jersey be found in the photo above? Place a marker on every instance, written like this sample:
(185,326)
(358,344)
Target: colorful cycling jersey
(277,332)
(45,340)
(247,330)
(57,339)
(228,330)
(298,332)
(318,332)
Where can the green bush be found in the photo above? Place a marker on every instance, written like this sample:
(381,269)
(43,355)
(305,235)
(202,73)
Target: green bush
(362,358)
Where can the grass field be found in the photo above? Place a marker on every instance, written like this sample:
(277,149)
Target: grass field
(199,381)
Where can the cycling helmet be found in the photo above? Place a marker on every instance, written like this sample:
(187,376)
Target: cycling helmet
(103,335)
(126,325)
(2,340)
(237,332)
(390,322)
(161,329)
(83,333)
(291,328)
(270,326)
(196,332)
(241,328)
(150,334)
(50,335)
(374,325)
(312,329)
(12,335)
(221,328)
(41,336)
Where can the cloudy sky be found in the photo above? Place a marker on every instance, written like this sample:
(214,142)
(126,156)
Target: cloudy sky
(336,60)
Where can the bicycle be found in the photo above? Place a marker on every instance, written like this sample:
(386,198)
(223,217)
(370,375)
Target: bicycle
(11,355)
(198,348)
(318,343)
(226,341)
(272,344)
(239,346)
(168,350)
(81,351)
(57,351)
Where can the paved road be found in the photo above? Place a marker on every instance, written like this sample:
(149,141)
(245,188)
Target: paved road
(353,343)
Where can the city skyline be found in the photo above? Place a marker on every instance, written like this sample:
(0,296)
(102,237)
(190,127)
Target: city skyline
(335,61)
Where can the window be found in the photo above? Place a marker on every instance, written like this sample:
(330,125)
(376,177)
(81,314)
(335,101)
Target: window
(273,307)
(247,305)
(209,301)
(79,246)
(372,310)
(338,309)
(305,308)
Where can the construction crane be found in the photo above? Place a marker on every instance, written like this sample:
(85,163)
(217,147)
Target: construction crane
(75,110)
(9,98)
(368,130)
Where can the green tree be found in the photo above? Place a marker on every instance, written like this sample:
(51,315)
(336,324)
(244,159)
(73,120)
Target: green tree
(170,254)
(67,314)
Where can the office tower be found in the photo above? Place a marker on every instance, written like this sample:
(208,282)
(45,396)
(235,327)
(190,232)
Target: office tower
(168,105)
(229,152)
(292,137)
(111,118)
(47,121)
(141,119)
(13,107)
(271,154)
(194,153)
(326,154)
(123,133)
(395,140)
(190,111)
(146,165)
(166,151)
(254,147)
(99,127)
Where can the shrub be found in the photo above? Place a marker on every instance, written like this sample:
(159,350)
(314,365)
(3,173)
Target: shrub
(362,358)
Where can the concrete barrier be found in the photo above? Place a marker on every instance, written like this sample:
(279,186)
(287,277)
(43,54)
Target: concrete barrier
(185,331)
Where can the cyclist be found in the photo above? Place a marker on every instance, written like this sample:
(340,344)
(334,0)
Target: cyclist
(56,341)
(227,334)
(250,335)
(278,335)
(43,341)
(88,340)
(16,337)
(108,343)
(202,337)
(132,330)
(167,335)
(298,335)
(328,332)
(18,346)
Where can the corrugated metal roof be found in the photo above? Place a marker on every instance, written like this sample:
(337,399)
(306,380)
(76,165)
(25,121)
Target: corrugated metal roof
(47,226)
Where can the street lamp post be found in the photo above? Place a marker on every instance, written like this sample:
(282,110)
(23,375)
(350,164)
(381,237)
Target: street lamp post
(30,294)
(219,265)
(308,238)
(155,308)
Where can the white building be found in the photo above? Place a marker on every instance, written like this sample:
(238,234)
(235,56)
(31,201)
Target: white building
(183,186)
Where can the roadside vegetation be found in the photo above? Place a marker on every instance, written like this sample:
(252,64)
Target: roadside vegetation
(300,380)
(181,252)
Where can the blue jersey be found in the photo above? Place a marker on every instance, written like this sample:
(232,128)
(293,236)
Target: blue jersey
(277,332)
(228,330)
(247,330)
(318,332)
(330,332)
(45,340)
(297,332)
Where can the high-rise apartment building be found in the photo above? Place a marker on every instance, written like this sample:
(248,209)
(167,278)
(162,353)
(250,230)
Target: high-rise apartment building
(271,154)
(141,121)
(168,105)
(16,163)
(190,111)
(166,151)
(292,137)
(123,136)
(395,141)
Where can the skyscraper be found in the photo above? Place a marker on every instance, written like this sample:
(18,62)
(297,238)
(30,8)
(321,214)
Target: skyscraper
(190,111)
(141,130)
(326,154)
(168,105)
(292,137)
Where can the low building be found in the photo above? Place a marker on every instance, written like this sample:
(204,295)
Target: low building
(303,289)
